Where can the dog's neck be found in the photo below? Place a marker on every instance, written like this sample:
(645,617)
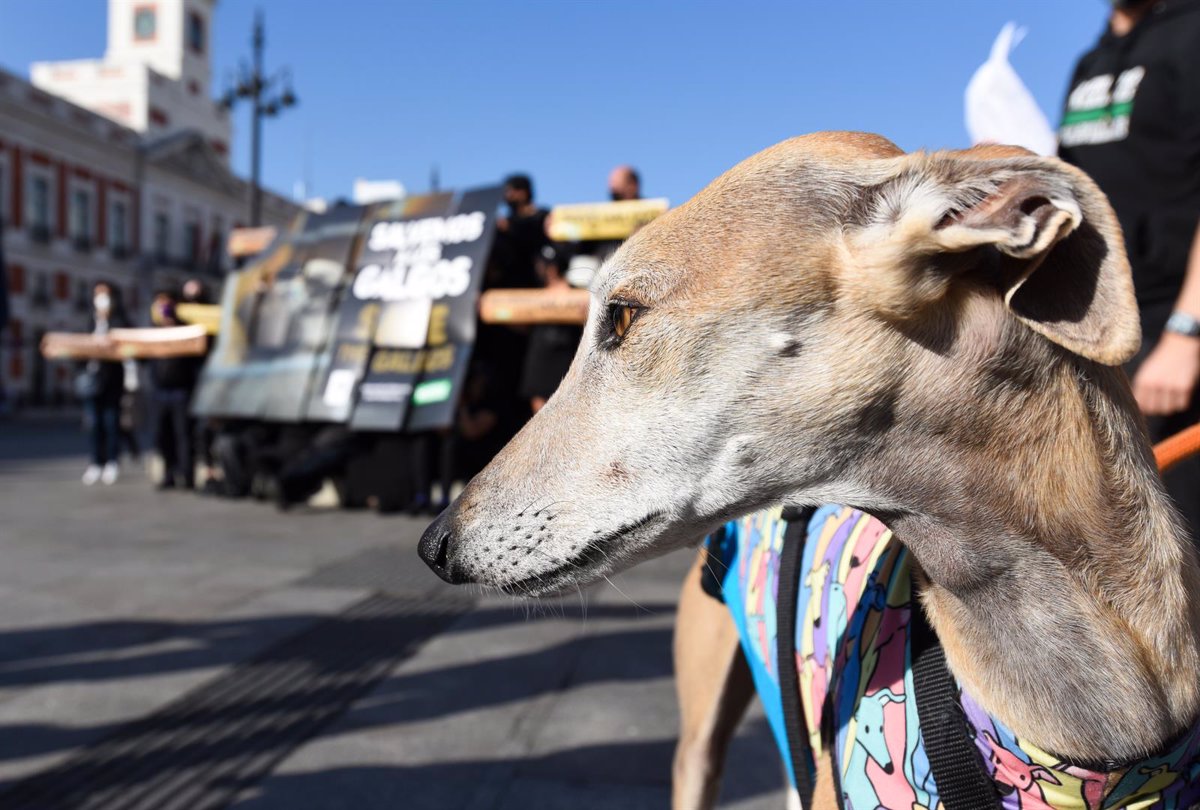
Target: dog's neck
(1059,578)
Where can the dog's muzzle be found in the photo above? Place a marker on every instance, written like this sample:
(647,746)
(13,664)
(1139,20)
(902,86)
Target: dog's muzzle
(434,549)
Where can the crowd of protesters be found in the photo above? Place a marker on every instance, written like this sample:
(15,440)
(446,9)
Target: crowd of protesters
(513,372)
(109,391)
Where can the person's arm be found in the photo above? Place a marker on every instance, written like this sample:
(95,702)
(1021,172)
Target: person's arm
(1165,381)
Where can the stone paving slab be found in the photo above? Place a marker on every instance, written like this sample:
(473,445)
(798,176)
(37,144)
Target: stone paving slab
(116,601)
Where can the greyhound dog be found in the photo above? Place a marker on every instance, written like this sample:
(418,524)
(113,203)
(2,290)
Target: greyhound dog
(932,338)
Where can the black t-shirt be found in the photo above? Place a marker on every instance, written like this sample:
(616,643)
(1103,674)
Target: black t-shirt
(520,247)
(1132,122)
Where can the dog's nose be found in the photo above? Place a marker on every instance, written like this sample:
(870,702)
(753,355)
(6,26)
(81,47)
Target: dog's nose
(434,549)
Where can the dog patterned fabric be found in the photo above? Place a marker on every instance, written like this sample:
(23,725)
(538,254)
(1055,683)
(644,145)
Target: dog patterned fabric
(854,603)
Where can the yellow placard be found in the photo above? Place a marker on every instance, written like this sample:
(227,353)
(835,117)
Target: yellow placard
(206,315)
(601,221)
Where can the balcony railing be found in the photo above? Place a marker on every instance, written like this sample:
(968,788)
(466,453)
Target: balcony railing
(82,244)
(39,234)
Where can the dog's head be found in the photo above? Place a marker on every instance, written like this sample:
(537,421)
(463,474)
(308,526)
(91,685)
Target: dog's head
(822,301)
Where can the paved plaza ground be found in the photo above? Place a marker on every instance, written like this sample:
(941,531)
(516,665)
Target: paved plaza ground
(165,650)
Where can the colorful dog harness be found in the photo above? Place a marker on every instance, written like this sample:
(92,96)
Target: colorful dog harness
(854,627)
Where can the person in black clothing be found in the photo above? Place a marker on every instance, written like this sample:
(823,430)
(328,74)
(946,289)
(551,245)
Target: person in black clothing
(1132,122)
(204,434)
(520,238)
(174,380)
(522,234)
(551,346)
(100,385)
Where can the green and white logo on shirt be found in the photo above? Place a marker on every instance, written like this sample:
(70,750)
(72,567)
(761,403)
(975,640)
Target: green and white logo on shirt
(1098,109)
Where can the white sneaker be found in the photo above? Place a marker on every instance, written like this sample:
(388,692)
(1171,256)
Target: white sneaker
(91,475)
(110,473)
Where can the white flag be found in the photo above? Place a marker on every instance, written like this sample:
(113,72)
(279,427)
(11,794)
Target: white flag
(1000,108)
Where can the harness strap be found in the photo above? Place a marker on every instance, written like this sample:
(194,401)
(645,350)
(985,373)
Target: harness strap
(790,560)
(958,770)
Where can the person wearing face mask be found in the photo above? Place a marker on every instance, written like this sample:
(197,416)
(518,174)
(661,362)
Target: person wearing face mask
(624,183)
(1132,122)
(100,385)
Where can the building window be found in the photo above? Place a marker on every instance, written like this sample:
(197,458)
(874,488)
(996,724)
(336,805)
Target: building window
(41,291)
(39,208)
(3,194)
(81,219)
(191,243)
(145,23)
(118,236)
(162,237)
(83,296)
(16,279)
(216,252)
(195,32)
(62,286)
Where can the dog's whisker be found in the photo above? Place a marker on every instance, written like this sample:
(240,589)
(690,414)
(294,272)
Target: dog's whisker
(631,600)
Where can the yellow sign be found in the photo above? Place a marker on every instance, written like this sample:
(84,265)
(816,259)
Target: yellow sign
(602,221)
(206,315)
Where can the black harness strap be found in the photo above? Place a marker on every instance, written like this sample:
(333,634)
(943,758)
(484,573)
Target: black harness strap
(790,560)
(958,770)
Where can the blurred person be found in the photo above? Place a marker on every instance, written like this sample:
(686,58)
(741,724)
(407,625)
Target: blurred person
(551,346)
(432,452)
(624,183)
(194,291)
(100,385)
(480,420)
(1132,122)
(128,423)
(174,381)
(520,237)
(522,234)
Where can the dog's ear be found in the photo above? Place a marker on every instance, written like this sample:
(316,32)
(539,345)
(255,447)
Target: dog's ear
(1038,229)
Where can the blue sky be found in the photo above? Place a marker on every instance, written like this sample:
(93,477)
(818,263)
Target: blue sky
(565,89)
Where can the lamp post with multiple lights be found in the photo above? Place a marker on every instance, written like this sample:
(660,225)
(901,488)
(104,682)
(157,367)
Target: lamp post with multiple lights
(269,96)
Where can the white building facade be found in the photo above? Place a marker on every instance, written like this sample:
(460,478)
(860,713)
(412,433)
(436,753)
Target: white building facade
(156,74)
(85,197)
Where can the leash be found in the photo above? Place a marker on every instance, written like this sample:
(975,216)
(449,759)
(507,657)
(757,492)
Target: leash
(1174,449)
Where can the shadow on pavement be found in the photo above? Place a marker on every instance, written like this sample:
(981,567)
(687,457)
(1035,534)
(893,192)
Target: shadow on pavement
(626,775)
(98,651)
(254,715)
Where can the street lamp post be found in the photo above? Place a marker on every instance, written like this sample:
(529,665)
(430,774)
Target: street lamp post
(269,95)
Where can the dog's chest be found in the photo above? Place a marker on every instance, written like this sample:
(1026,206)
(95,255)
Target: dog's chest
(853,670)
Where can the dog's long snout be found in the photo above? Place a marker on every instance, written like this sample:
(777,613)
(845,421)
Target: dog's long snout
(434,549)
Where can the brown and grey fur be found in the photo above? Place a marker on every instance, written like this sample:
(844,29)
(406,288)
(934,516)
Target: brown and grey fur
(934,338)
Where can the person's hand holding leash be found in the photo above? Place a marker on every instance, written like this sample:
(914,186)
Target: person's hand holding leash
(1165,381)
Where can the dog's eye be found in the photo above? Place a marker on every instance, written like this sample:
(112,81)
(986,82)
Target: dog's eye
(621,317)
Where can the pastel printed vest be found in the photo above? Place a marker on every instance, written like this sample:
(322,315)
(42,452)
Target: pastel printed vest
(853,659)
